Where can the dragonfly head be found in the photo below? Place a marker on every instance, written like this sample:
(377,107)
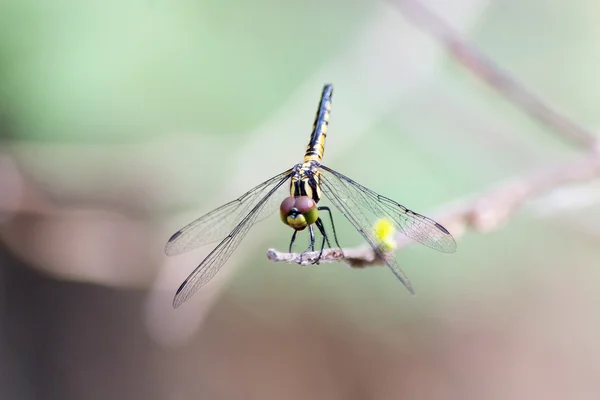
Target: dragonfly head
(298,212)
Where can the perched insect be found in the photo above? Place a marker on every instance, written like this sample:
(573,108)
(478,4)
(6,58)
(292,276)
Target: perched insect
(308,182)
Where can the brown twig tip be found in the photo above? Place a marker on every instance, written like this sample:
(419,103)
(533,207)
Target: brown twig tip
(355,258)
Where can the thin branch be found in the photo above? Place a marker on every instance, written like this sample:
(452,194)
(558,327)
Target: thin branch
(482,213)
(356,258)
(485,69)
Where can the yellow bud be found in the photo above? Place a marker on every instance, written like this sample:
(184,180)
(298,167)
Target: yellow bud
(384,232)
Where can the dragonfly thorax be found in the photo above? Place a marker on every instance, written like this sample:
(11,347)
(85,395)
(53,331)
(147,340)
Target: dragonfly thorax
(305,181)
(298,212)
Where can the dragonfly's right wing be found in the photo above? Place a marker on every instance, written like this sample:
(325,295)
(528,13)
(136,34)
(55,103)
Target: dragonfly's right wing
(213,262)
(218,223)
(414,225)
(345,196)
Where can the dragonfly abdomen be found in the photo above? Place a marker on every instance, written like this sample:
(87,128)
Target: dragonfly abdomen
(316,145)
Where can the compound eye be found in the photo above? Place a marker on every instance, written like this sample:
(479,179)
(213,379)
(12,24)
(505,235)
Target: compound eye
(305,204)
(286,205)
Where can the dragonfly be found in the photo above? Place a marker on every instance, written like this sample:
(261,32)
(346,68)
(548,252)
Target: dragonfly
(297,191)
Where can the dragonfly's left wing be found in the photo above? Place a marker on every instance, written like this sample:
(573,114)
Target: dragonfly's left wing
(217,257)
(355,202)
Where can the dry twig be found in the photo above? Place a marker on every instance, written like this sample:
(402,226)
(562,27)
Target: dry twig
(355,258)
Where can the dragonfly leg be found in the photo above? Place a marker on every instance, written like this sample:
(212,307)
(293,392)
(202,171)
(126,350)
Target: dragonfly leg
(311,246)
(312,238)
(321,227)
(293,239)
(325,208)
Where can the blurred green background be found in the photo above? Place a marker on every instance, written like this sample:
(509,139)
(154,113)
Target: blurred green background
(122,121)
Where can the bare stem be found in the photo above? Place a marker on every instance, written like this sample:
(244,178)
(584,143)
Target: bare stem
(356,258)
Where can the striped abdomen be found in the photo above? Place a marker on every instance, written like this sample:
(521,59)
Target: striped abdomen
(316,145)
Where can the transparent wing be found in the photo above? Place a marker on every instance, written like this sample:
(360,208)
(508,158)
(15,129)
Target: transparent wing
(355,202)
(218,223)
(416,226)
(213,262)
